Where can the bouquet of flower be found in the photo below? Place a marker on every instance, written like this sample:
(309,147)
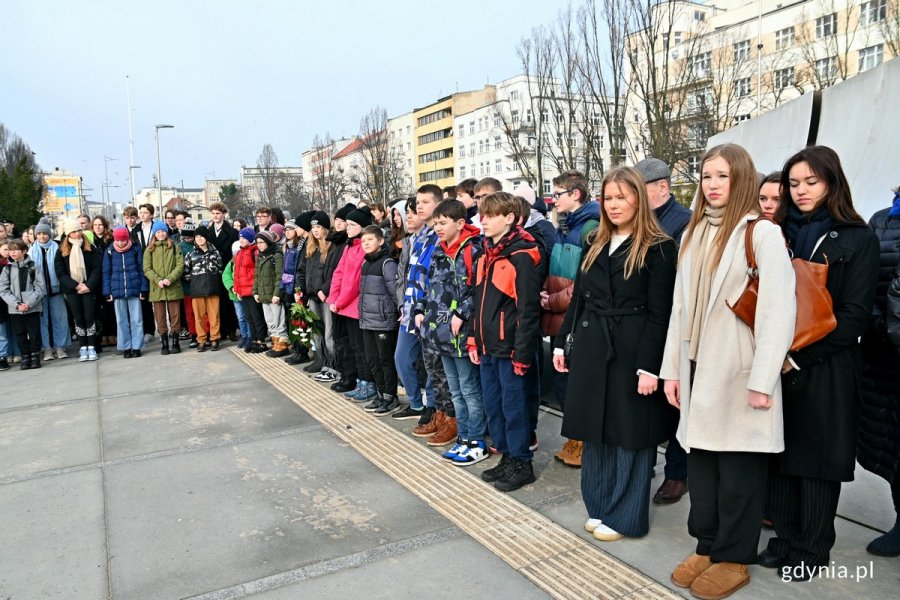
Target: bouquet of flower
(304,325)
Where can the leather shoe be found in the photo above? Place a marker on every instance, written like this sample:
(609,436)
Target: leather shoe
(671,491)
(770,560)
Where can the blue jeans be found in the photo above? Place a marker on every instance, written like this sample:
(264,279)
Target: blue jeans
(465,390)
(129,324)
(506,407)
(242,321)
(55,317)
(4,344)
(407,355)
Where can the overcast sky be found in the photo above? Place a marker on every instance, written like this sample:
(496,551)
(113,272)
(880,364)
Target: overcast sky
(232,76)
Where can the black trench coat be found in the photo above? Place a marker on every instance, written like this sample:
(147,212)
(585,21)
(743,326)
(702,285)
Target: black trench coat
(821,400)
(620,327)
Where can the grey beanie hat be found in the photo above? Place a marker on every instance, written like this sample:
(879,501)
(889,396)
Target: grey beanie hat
(43,226)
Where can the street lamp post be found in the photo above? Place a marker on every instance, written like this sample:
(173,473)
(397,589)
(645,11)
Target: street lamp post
(159,168)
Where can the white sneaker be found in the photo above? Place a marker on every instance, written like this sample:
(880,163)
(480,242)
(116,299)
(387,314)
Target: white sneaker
(591,524)
(82,354)
(48,354)
(16,359)
(91,353)
(61,353)
(474,452)
(606,534)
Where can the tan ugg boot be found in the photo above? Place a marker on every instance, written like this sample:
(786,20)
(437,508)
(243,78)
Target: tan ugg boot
(570,454)
(720,580)
(690,569)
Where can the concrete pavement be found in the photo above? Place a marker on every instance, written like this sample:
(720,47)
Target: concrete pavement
(192,476)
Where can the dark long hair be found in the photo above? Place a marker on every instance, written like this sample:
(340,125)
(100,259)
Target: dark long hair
(825,163)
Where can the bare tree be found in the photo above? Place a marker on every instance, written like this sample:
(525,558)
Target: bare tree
(890,27)
(380,177)
(825,42)
(270,181)
(328,181)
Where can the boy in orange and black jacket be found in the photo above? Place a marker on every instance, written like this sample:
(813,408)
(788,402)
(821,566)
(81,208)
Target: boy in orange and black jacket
(504,325)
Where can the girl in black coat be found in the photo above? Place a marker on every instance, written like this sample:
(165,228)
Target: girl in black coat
(618,319)
(821,382)
(79,269)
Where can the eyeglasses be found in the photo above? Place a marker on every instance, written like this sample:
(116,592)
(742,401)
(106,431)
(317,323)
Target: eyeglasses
(556,195)
(479,196)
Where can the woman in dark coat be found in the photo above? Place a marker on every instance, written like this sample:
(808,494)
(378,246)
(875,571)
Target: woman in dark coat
(821,382)
(879,427)
(79,269)
(618,319)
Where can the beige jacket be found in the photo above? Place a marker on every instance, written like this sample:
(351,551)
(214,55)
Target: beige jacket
(730,361)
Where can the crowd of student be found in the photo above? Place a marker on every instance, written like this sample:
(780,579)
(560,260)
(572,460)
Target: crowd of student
(451,293)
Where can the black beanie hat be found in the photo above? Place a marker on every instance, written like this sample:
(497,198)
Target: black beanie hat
(344,211)
(361,216)
(304,221)
(320,218)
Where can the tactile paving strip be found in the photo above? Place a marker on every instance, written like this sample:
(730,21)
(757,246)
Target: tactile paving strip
(553,558)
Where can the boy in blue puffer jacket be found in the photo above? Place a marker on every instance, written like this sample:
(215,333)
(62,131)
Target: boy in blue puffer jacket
(125,286)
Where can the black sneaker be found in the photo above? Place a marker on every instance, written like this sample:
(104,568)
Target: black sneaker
(126,354)
(407,413)
(389,405)
(135,354)
(426,415)
(4,364)
(343,385)
(313,367)
(374,404)
(519,473)
(497,472)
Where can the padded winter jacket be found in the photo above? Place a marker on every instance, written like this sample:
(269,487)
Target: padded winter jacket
(123,273)
(345,283)
(245,270)
(267,280)
(378,310)
(163,260)
(204,271)
(21,282)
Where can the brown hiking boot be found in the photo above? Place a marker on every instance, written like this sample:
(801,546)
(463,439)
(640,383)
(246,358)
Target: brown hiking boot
(690,569)
(431,427)
(720,580)
(445,435)
(570,454)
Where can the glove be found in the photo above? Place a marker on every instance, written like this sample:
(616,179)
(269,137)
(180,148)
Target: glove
(520,368)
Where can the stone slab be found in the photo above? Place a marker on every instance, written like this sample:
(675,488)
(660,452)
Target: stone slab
(185,524)
(194,417)
(48,437)
(57,380)
(471,572)
(54,543)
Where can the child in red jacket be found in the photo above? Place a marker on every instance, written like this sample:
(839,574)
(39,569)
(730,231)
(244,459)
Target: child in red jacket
(244,275)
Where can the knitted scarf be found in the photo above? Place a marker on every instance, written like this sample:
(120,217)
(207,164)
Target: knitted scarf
(804,230)
(701,276)
(77,270)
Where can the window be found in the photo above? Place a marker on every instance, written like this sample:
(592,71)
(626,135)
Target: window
(595,117)
(560,117)
(548,187)
(472,149)
(872,12)
(826,68)
(437,155)
(699,15)
(497,142)
(528,116)
(697,134)
(408,146)
(545,114)
(742,87)
(599,141)
(462,150)
(699,64)
(700,99)
(435,116)
(826,26)
(784,78)
(870,57)
(573,140)
(514,95)
(462,172)
(784,38)
(515,117)
(498,122)
(471,127)
(462,131)
(432,137)
(530,141)
(497,166)
(693,163)
(741,51)
(739,118)
(480,146)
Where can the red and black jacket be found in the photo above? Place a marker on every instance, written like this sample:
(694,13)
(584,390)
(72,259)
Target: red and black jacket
(507,298)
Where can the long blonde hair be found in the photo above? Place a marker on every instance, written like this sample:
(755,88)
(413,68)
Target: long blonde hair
(313,244)
(645,230)
(743,198)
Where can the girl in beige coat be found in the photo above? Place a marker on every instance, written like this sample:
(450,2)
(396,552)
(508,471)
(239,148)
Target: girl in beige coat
(725,380)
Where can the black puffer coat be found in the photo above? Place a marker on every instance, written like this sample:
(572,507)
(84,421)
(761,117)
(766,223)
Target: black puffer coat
(378,309)
(879,432)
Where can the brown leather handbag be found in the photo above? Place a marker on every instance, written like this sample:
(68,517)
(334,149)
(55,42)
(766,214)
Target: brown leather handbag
(815,311)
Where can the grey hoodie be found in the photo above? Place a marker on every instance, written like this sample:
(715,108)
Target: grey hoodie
(21,282)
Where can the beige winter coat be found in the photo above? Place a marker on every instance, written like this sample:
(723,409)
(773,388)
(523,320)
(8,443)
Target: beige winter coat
(714,411)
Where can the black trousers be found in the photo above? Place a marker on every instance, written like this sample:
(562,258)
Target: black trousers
(380,347)
(803,512)
(147,315)
(253,312)
(82,307)
(27,329)
(358,349)
(727,495)
(343,352)
(227,317)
